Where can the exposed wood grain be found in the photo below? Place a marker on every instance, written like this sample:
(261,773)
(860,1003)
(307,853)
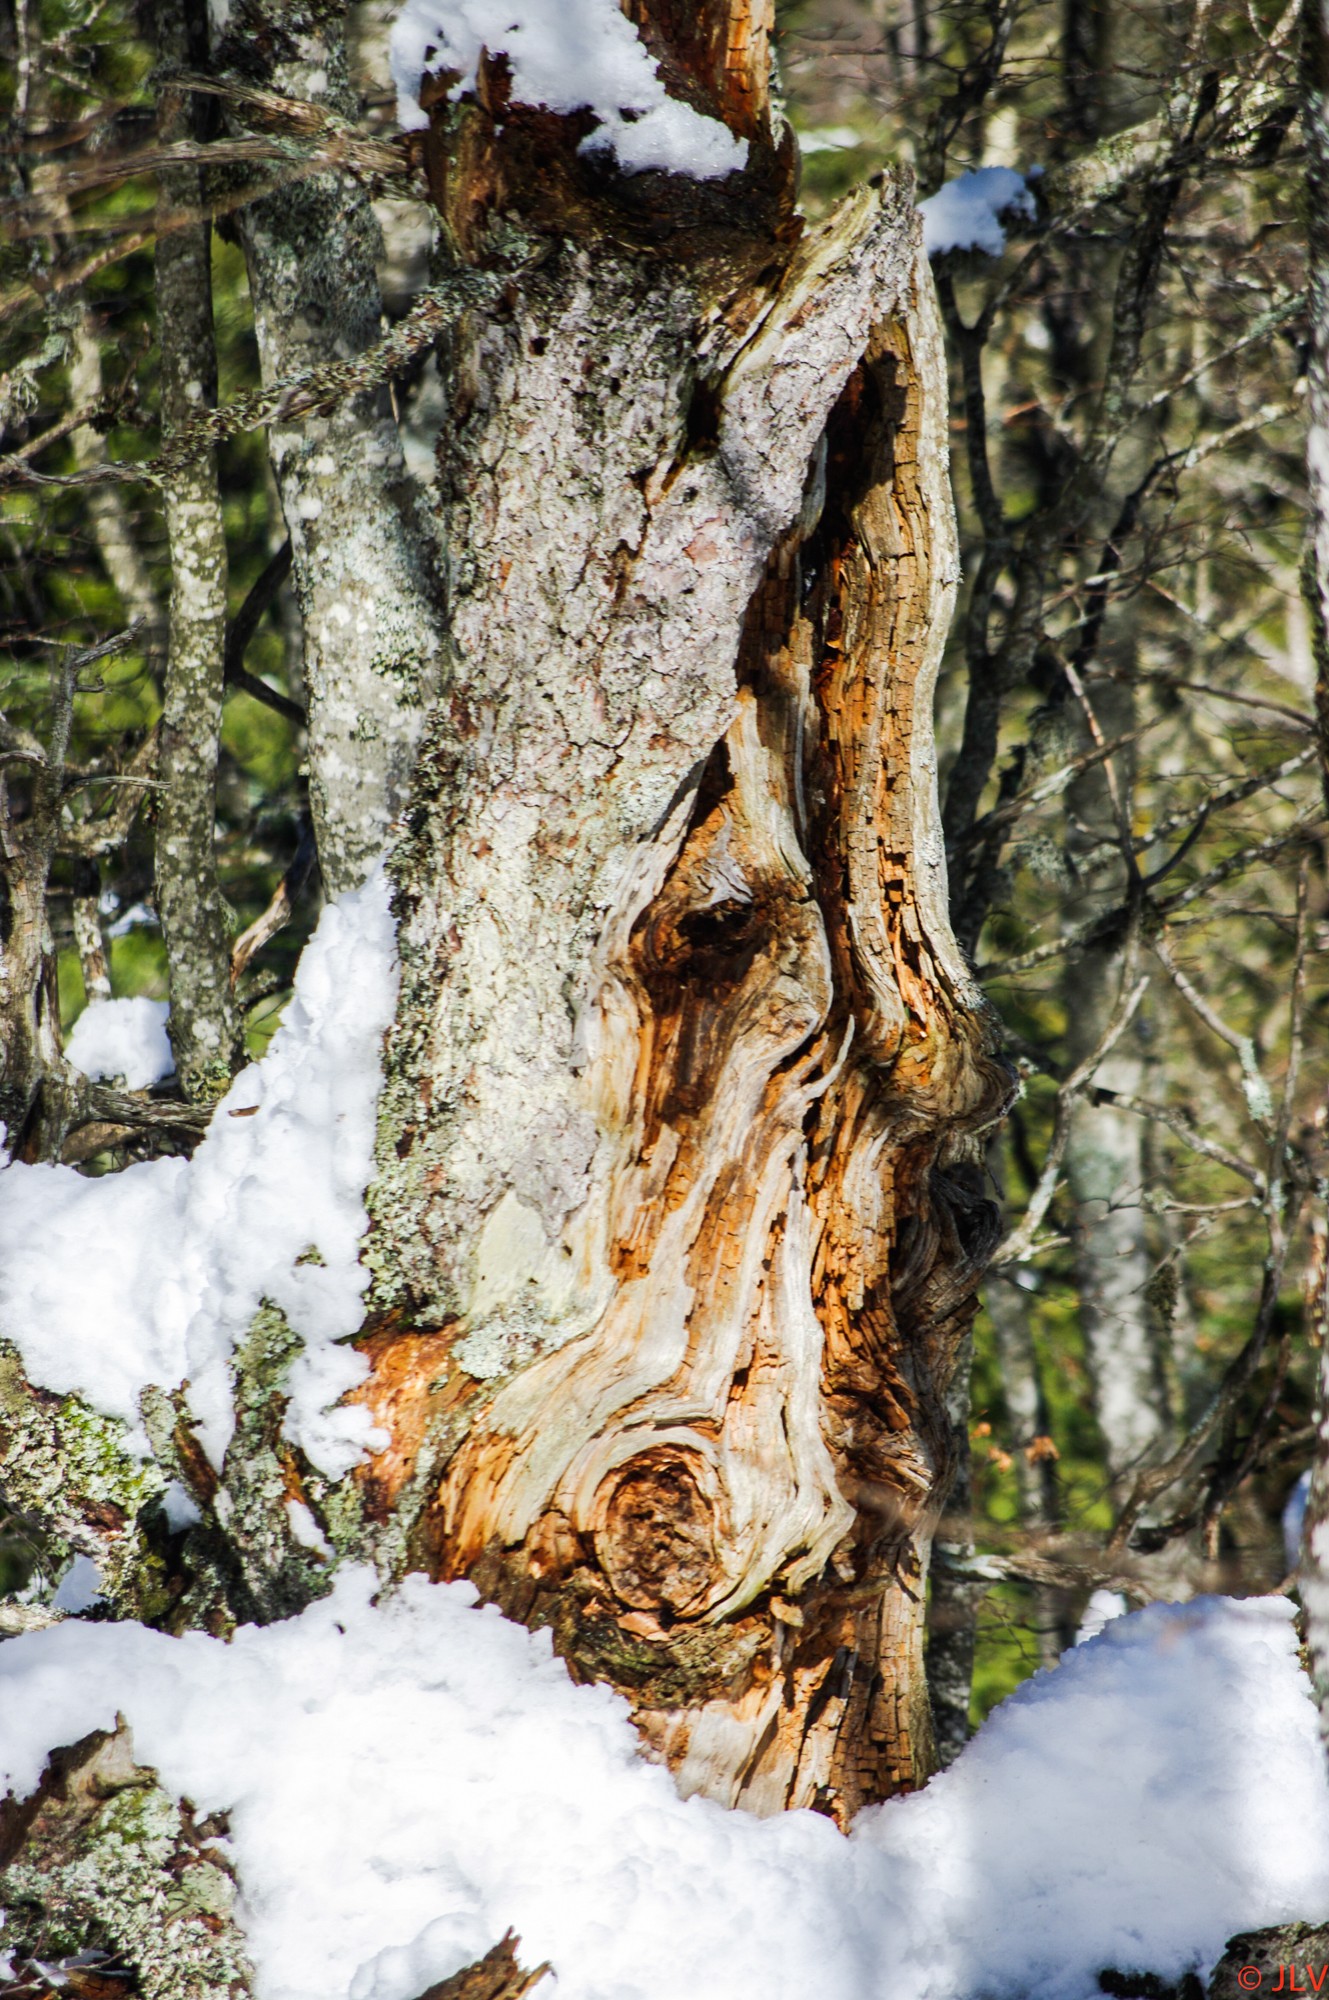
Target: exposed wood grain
(680,1136)
(496,1976)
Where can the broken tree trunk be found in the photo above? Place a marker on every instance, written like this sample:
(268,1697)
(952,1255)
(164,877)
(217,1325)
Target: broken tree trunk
(679,1212)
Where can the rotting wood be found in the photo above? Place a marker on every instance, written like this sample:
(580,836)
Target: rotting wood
(679,1140)
(496,1976)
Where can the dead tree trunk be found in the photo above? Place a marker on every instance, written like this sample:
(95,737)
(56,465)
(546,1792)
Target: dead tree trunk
(679,1213)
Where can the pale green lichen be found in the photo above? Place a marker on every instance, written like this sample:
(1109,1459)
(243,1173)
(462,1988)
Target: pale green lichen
(63,1466)
(276,1576)
(111,1863)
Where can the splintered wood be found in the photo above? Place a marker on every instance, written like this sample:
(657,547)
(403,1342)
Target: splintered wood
(679,1186)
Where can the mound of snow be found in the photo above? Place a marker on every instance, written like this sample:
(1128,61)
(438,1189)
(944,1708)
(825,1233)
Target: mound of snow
(566,55)
(124,1038)
(407,1780)
(152,1275)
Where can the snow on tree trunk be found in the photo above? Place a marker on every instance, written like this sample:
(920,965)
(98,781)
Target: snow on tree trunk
(679,1212)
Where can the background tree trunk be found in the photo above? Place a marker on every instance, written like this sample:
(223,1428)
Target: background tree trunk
(1314,1573)
(205,1031)
(361,544)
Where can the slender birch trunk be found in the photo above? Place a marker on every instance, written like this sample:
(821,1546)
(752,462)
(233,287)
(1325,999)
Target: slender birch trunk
(204,1025)
(366,565)
(1315,124)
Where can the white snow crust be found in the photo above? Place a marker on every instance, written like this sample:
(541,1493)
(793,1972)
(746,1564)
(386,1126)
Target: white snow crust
(153,1274)
(79,1588)
(567,55)
(1294,1519)
(966,213)
(406,1780)
(124,1038)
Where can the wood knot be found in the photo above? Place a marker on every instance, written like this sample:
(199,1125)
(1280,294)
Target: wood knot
(656,1534)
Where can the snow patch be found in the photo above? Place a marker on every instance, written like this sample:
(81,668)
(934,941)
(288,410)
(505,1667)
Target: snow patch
(79,1588)
(1102,1608)
(153,1274)
(123,1038)
(306,1530)
(567,55)
(967,213)
(405,1780)
(181,1509)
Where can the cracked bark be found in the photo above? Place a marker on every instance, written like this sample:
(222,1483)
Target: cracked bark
(679,1211)
(204,1025)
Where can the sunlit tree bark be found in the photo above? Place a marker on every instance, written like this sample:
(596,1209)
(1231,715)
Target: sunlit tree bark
(679,1213)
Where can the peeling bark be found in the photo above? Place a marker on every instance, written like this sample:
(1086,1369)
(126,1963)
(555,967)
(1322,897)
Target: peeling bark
(679,1189)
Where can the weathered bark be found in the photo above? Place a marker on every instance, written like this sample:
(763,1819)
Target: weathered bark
(499,1975)
(362,554)
(29,999)
(1276,1954)
(204,1025)
(88,940)
(34,1082)
(101,1854)
(679,1218)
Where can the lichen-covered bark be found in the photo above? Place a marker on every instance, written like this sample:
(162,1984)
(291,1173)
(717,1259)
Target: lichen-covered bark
(65,1472)
(35,1086)
(679,1216)
(362,552)
(100,1868)
(76,1484)
(204,1026)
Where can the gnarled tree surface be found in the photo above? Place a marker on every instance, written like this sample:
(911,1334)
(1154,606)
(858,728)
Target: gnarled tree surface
(678,1212)
(679,1219)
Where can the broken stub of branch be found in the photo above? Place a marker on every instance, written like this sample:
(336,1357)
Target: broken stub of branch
(700,1031)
